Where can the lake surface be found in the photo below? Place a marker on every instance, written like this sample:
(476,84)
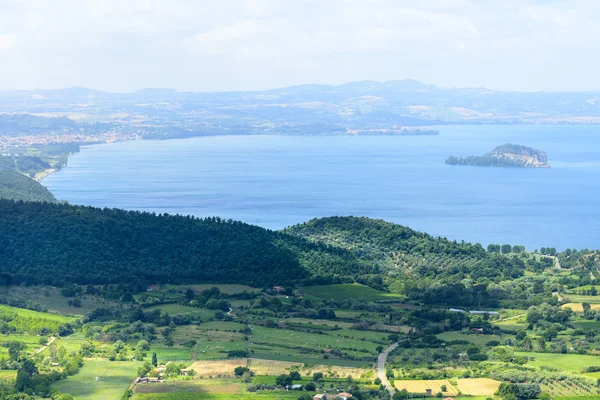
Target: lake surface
(277,181)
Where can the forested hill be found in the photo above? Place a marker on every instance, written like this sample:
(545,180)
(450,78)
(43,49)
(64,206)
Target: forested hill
(383,242)
(59,244)
(15,186)
(423,267)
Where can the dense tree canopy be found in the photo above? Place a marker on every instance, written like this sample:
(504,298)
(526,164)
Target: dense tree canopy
(58,244)
(15,186)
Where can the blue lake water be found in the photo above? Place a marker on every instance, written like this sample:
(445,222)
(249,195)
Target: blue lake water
(276,181)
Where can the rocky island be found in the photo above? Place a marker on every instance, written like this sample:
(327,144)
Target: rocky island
(507,155)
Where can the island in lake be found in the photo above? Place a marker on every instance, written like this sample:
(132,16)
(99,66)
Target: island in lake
(507,155)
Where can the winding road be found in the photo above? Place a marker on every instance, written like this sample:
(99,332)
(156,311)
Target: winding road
(381,368)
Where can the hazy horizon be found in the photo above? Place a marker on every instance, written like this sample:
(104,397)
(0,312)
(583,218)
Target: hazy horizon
(525,46)
(93,89)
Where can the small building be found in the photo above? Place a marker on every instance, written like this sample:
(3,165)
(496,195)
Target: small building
(456,310)
(142,380)
(478,330)
(296,387)
(320,397)
(428,392)
(278,289)
(344,395)
(55,364)
(184,372)
(153,380)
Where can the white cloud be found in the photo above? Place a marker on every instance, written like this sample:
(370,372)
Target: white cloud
(7,42)
(241,30)
(246,44)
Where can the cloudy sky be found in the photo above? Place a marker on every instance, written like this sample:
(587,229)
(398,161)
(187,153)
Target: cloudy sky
(218,45)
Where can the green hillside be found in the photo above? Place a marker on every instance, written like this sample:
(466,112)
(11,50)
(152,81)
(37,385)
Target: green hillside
(423,267)
(30,165)
(58,244)
(14,186)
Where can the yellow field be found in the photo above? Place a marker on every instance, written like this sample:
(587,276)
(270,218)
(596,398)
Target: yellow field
(217,367)
(269,367)
(578,308)
(478,386)
(422,386)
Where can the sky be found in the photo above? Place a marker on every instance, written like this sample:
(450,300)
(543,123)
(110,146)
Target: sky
(225,45)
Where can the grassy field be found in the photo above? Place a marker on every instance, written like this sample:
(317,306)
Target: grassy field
(511,325)
(422,386)
(575,298)
(180,309)
(348,291)
(114,379)
(274,395)
(51,298)
(564,362)
(165,354)
(472,338)
(8,374)
(585,324)
(24,320)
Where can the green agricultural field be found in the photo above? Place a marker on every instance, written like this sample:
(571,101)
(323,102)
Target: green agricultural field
(377,337)
(575,298)
(564,362)
(585,324)
(309,341)
(27,321)
(348,291)
(311,322)
(275,395)
(511,325)
(180,309)
(297,357)
(8,375)
(114,377)
(166,354)
(472,338)
(51,298)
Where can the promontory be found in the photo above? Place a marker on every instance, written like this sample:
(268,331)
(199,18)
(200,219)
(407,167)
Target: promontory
(507,155)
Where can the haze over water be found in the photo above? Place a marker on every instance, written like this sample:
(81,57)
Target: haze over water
(276,181)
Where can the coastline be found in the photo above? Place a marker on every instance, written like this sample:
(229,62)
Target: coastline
(43,175)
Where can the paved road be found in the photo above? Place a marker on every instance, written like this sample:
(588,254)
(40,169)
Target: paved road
(381,369)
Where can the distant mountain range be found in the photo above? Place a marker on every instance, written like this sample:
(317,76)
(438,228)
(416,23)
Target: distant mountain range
(351,108)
